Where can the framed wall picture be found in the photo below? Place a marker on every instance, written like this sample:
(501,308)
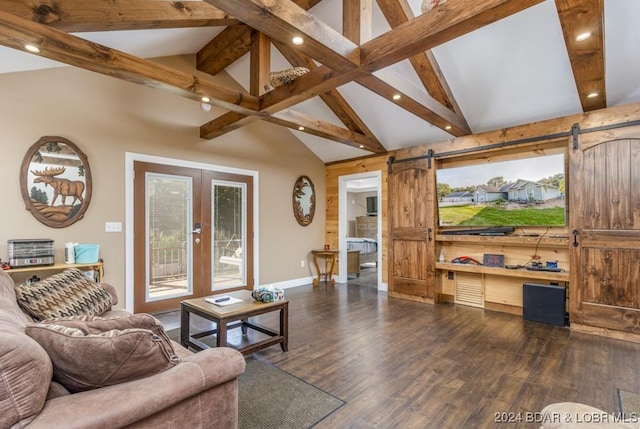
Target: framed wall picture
(55,181)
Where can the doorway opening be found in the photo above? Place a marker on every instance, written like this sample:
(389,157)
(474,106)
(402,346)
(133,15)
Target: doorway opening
(360,229)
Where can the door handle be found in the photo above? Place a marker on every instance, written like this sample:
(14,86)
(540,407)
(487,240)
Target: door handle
(575,237)
(197,229)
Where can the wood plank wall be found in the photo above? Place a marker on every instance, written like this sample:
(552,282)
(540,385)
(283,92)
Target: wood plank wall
(598,118)
(362,165)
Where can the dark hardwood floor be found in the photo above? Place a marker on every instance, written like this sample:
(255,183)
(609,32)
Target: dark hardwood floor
(401,364)
(368,277)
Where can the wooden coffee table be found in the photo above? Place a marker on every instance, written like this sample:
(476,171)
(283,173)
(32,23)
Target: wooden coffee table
(224,316)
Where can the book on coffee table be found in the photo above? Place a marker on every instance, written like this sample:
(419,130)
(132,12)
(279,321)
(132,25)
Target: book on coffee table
(222,300)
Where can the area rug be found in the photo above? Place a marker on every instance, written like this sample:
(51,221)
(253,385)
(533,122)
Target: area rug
(269,397)
(629,402)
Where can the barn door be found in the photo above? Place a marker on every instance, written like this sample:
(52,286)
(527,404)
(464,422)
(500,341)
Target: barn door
(412,250)
(605,220)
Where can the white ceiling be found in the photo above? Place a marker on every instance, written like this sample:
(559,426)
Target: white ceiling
(512,72)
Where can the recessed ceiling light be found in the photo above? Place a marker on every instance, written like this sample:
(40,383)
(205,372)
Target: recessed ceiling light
(448,127)
(301,128)
(205,99)
(32,48)
(582,36)
(396,96)
(297,40)
(592,95)
(361,146)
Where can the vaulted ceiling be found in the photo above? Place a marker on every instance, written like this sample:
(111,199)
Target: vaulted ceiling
(382,74)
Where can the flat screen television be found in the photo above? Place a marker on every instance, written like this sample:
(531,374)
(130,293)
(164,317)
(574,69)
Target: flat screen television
(520,192)
(372,206)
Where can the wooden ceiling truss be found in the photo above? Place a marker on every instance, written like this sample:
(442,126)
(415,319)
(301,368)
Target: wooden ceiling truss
(582,17)
(334,59)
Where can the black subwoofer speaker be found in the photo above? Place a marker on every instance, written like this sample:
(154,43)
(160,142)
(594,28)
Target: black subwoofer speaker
(544,303)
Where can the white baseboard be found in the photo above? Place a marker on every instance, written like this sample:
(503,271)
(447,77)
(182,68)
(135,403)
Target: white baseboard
(384,287)
(291,283)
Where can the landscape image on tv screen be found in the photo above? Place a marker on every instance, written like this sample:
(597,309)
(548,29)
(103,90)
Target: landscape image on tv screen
(522,192)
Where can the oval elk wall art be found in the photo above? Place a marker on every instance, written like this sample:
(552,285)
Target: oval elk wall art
(55,180)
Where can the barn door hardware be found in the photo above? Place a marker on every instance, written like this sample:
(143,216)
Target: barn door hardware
(575,130)
(575,237)
(429,156)
(573,133)
(429,231)
(390,164)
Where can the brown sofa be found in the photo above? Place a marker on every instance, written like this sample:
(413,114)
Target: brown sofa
(198,392)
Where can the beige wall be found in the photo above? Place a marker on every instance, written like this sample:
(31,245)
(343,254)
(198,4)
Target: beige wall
(106,118)
(357,204)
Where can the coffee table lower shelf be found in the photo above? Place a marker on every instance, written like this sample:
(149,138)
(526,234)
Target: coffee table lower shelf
(233,316)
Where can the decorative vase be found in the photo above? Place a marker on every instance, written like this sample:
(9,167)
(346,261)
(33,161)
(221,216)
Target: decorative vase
(286,76)
(427,5)
(268,294)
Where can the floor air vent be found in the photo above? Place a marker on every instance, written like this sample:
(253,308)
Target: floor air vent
(469,289)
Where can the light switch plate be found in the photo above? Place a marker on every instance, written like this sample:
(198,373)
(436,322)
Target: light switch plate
(113,226)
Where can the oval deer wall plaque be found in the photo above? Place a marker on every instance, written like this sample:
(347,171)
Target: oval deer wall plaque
(55,181)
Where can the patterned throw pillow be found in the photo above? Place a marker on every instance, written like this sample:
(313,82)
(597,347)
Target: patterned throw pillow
(69,293)
(91,352)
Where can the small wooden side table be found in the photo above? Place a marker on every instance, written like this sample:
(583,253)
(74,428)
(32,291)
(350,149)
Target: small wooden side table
(329,257)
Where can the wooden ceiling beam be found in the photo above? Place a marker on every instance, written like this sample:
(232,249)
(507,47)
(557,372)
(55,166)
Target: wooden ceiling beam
(397,12)
(231,44)
(226,48)
(357,136)
(332,98)
(587,56)
(442,24)
(108,15)
(357,20)
(446,22)
(295,120)
(226,123)
(343,110)
(283,20)
(309,85)
(260,64)
(388,83)
(16,32)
